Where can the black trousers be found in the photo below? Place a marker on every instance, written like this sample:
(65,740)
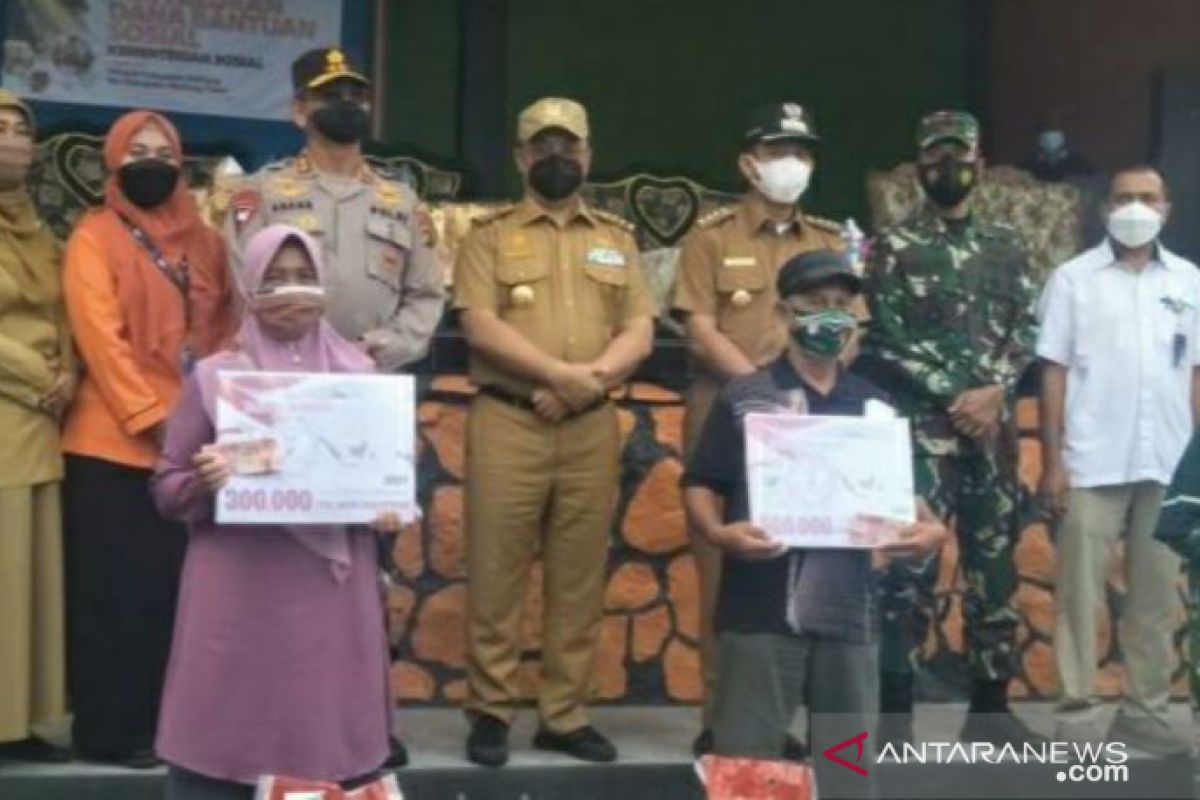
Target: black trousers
(123,562)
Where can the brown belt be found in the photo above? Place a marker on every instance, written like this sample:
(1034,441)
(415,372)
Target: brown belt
(524,403)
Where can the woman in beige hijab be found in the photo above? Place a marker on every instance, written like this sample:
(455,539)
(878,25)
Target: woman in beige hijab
(36,384)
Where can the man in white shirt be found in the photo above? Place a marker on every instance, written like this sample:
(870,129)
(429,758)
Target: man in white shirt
(1120,329)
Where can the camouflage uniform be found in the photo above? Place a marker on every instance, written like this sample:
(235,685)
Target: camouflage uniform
(1179,528)
(953,309)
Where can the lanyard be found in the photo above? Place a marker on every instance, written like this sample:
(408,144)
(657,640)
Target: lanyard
(180,277)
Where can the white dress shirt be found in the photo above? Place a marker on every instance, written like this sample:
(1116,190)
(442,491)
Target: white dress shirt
(1129,340)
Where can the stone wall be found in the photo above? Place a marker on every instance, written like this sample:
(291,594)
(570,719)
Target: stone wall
(648,644)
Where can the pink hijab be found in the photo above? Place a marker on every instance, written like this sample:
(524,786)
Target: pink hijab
(320,350)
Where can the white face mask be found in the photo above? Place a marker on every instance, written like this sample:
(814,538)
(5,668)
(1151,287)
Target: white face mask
(782,180)
(1134,224)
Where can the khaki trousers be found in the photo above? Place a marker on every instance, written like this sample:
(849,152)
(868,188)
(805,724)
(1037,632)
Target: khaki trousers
(533,487)
(1096,520)
(32,621)
(699,400)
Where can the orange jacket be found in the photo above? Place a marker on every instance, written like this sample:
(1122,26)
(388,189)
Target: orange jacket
(124,393)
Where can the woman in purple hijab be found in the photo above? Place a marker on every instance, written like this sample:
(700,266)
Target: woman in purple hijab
(279,662)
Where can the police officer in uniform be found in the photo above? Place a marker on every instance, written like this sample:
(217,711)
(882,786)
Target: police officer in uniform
(556,313)
(952,329)
(725,295)
(385,288)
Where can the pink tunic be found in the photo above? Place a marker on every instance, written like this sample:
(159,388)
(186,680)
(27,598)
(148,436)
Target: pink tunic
(275,667)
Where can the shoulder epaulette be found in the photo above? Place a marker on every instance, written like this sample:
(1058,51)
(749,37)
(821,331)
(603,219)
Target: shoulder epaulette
(391,192)
(490,216)
(716,217)
(822,224)
(614,219)
(1001,231)
(281,164)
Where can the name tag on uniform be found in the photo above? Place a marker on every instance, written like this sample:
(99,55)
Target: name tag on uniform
(739,261)
(608,256)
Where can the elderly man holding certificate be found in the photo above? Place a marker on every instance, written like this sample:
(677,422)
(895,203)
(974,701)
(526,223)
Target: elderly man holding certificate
(796,620)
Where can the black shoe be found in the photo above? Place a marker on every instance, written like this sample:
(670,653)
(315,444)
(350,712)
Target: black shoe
(36,750)
(702,745)
(795,750)
(585,744)
(137,759)
(397,755)
(998,728)
(487,745)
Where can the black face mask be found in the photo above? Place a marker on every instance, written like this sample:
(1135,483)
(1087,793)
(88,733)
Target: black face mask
(949,181)
(556,177)
(148,182)
(342,121)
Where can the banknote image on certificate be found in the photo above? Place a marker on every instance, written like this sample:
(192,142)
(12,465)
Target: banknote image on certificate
(316,449)
(825,481)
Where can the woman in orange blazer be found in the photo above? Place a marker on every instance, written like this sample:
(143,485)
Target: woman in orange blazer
(147,292)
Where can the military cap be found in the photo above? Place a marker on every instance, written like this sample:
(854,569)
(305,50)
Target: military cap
(780,121)
(958,126)
(814,269)
(10,100)
(552,112)
(322,66)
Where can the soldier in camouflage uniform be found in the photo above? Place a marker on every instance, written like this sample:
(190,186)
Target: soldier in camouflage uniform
(952,307)
(1179,528)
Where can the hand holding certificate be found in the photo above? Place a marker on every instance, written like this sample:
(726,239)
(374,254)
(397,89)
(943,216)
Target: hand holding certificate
(316,449)
(823,481)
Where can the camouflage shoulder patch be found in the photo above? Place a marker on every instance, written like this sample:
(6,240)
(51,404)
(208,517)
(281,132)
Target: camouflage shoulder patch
(915,229)
(822,224)
(714,218)
(488,217)
(614,219)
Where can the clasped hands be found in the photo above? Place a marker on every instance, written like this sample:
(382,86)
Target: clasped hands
(976,413)
(570,388)
(55,401)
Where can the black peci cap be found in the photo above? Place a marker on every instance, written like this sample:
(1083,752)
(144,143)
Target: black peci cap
(816,268)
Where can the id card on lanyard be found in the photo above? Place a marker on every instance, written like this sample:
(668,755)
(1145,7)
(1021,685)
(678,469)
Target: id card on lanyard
(181,278)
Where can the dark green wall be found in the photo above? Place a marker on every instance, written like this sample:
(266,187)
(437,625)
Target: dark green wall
(421,76)
(668,82)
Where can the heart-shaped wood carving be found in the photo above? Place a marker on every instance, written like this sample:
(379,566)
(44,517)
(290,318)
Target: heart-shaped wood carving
(79,160)
(665,207)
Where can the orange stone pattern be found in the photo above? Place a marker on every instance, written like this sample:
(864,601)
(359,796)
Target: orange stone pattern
(648,649)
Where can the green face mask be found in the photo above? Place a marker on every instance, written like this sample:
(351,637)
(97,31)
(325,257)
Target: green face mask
(823,334)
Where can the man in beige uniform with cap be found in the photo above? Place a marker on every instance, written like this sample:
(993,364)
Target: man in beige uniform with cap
(556,312)
(725,293)
(385,287)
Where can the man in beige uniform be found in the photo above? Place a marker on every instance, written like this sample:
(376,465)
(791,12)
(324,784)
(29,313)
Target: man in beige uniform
(556,312)
(385,287)
(725,294)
